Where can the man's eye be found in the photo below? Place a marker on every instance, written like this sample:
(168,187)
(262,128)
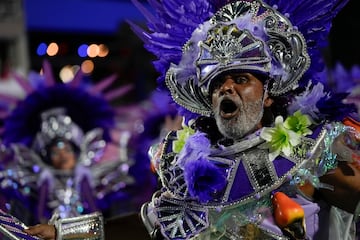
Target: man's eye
(241,79)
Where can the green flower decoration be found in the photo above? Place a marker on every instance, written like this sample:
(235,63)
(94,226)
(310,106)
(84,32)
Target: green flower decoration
(182,136)
(280,139)
(299,123)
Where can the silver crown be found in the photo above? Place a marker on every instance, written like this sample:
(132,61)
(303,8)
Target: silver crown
(241,36)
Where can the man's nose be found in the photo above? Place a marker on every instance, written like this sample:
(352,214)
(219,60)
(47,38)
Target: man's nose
(227,87)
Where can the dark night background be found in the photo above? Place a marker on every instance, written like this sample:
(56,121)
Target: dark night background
(344,37)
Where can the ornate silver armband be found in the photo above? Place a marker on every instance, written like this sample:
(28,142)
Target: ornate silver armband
(90,227)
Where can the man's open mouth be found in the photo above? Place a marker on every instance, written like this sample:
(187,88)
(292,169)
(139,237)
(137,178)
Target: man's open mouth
(228,109)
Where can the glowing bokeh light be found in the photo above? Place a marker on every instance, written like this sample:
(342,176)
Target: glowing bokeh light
(87,66)
(52,49)
(82,50)
(41,49)
(103,50)
(93,50)
(66,74)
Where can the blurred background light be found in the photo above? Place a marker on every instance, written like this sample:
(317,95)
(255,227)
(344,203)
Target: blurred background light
(41,49)
(87,66)
(103,50)
(52,49)
(66,74)
(82,50)
(93,50)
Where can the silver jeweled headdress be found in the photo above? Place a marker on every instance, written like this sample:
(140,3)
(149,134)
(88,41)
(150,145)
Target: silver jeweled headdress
(241,36)
(56,124)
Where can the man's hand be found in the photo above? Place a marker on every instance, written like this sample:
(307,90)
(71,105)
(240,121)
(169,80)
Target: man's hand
(43,231)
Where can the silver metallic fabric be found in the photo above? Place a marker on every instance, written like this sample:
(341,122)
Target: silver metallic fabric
(90,227)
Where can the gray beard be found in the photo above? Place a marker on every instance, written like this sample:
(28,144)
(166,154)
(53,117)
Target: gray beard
(246,121)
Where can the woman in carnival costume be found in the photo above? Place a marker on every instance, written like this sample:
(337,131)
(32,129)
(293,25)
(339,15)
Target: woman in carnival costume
(63,153)
(265,153)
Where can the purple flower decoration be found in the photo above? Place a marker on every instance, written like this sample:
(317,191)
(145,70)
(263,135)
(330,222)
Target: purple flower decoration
(205,180)
(196,146)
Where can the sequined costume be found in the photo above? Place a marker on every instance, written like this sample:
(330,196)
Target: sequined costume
(216,188)
(77,112)
(239,179)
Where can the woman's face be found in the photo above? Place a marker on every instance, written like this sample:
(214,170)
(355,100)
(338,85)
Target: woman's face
(63,156)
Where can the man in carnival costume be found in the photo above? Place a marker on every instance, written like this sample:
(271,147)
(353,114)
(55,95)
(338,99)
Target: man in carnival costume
(264,152)
(271,152)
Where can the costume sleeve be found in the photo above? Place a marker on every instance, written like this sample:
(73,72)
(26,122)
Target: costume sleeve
(43,194)
(88,194)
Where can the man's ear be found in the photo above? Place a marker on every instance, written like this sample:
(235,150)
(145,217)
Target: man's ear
(268,102)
